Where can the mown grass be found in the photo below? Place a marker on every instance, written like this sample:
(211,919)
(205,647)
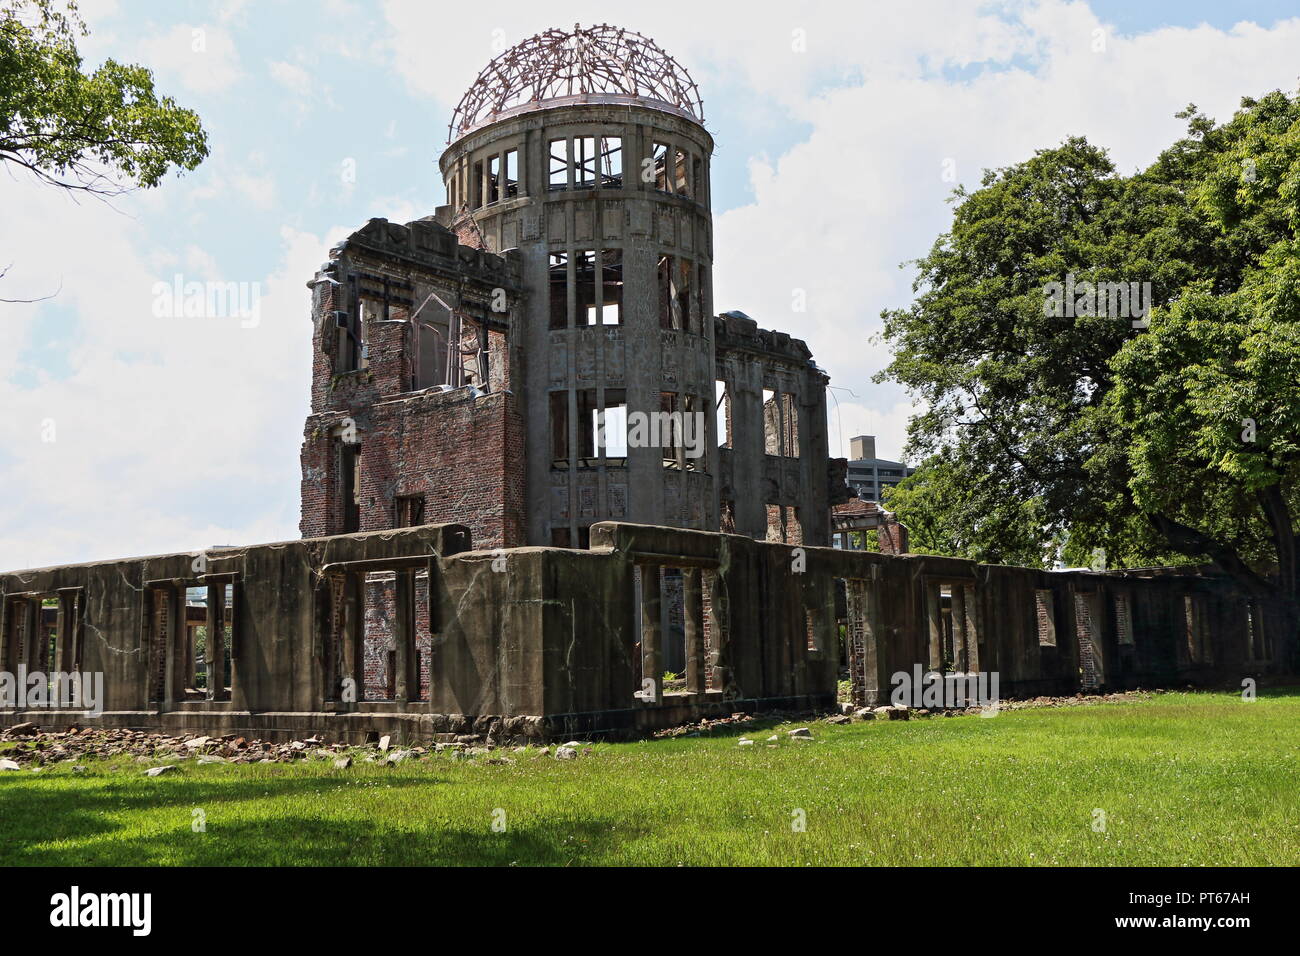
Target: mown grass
(1196,779)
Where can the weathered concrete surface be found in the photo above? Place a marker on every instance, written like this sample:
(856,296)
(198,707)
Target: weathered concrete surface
(535,642)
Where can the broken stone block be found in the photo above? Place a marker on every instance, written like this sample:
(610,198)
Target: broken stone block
(159,771)
(27,729)
(343,763)
(744,742)
(799,732)
(384,741)
(8,764)
(566,753)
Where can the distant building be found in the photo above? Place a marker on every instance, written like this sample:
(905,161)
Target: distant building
(869,476)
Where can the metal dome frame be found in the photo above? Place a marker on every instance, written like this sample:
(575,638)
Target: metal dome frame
(598,64)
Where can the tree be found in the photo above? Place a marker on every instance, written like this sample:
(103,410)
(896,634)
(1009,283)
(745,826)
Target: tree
(1120,436)
(946,512)
(97,132)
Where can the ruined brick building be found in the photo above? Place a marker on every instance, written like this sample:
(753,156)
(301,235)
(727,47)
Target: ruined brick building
(486,364)
(488,552)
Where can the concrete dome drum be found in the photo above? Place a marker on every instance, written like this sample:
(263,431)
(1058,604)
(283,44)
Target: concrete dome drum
(598,64)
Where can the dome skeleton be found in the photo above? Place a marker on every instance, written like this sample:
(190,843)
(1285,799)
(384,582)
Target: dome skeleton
(599,61)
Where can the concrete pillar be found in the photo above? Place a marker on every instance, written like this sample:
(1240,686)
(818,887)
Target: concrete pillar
(173,638)
(32,634)
(407,681)
(238,693)
(958,628)
(972,630)
(934,619)
(652,669)
(352,672)
(720,628)
(693,615)
(214,656)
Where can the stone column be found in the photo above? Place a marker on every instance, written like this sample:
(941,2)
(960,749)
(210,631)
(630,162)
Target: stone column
(407,683)
(958,628)
(214,655)
(933,612)
(651,648)
(693,616)
(353,636)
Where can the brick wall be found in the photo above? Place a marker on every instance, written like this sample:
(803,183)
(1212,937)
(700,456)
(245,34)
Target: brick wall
(459,452)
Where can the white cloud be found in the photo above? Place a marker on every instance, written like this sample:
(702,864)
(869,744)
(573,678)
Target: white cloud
(159,422)
(889,92)
(292,77)
(203,58)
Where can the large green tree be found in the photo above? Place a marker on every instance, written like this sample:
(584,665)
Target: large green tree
(1159,438)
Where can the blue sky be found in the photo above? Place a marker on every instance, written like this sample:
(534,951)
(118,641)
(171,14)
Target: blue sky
(178,434)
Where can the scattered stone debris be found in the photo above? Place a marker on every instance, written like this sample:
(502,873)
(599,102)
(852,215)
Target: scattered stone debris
(708,724)
(35,748)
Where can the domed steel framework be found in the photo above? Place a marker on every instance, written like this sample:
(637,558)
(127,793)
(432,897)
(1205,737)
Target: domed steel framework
(596,64)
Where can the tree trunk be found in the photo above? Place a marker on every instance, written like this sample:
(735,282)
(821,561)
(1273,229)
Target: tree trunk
(1278,514)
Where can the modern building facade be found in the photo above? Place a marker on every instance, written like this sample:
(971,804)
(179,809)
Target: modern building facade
(869,476)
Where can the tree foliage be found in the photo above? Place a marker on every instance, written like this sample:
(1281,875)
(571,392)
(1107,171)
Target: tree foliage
(98,132)
(1160,443)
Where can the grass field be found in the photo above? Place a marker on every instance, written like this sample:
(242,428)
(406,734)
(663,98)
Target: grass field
(1198,779)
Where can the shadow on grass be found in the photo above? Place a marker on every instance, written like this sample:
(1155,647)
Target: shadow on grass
(297,840)
(36,811)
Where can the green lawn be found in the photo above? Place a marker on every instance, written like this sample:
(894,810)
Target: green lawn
(1183,779)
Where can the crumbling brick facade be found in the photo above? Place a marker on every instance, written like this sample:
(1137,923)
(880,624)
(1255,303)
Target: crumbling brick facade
(405,430)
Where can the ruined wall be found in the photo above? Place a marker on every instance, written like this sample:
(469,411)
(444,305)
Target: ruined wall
(775,476)
(412,633)
(451,448)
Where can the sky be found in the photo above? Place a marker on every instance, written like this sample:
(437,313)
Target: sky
(842,129)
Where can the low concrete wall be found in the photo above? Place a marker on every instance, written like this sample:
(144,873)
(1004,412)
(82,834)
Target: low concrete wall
(532,643)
